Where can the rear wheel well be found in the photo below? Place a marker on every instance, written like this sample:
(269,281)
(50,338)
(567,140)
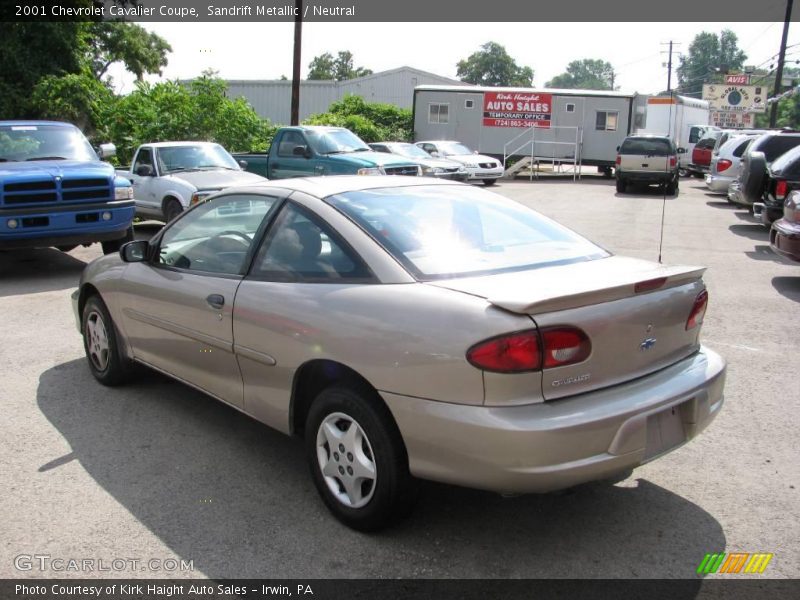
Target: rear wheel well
(317,375)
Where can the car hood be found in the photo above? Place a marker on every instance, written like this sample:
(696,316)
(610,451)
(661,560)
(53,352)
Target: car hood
(216,179)
(371,159)
(471,158)
(41,169)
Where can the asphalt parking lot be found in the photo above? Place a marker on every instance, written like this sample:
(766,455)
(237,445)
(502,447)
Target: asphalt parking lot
(156,470)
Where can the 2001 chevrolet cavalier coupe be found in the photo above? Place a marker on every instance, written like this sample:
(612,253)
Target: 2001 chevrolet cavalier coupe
(412,329)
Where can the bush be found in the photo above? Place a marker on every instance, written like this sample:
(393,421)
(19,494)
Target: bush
(371,121)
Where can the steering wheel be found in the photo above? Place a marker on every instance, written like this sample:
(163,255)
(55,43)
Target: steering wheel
(238,234)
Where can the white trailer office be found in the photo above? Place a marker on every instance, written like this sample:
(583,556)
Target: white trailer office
(580,126)
(685,120)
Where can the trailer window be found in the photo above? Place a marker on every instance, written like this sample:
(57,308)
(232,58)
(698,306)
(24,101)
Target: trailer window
(570,107)
(438,113)
(469,103)
(606,120)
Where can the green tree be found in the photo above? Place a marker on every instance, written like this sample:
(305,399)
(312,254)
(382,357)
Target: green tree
(138,49)
(371,121)
(326,67)
(710,56)
(585,74)
(492,66)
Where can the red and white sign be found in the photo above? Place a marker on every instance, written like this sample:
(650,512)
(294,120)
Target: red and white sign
(741,79)
(517,109)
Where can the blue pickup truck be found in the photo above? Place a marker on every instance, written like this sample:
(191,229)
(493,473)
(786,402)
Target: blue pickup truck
(305,151)
(55,190)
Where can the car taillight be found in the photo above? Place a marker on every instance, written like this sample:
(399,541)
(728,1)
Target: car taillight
(780,189)
(531,350)
(510,353)
(619,159)
(564,346)
(698,311)
(723,164)
(673,160)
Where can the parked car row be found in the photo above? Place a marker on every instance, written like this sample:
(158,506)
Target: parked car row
(761,172)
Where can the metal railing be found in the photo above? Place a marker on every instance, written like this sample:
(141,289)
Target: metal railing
(537,156)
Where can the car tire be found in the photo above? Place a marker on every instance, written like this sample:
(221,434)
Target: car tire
(357,457)
(754,172)
(488,182)
(103,352)
(112,246)
(621,185)
(172,208)
(671,188)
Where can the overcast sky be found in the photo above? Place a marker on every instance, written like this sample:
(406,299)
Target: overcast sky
(636,50)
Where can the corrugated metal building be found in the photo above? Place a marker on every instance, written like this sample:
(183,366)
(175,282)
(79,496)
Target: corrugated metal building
(272,98)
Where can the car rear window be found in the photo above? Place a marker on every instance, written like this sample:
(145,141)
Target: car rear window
(788,164)
(649,147)
(451,231)
(774,146)
(706,143)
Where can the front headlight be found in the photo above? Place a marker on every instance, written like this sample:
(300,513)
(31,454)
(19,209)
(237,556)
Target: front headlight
(370,171)
(198,197)
(472,165)
(123,193)
(438,170)
(428,170)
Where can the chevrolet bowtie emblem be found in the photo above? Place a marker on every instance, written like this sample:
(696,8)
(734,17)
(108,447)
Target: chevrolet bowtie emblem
(647,344)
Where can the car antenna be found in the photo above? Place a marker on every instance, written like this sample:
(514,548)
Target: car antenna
(666,168)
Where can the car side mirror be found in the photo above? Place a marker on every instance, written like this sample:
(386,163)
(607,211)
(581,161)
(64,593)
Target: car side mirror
(144,171)
(617,148)
(106,150)
(135,251)
(243,164)
(301,151)
(681,150)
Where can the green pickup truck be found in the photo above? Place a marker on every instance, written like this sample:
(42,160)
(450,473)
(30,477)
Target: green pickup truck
(305,151)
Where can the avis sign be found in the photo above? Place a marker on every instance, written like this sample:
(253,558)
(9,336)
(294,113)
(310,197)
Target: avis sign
(517,109)
(741,79)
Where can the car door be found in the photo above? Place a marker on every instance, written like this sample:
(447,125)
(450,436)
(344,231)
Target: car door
(144,191)
(286,163)
(177,307)
(285,309)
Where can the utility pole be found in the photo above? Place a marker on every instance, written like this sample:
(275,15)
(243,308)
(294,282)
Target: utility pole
(298,36)
(773,112)
(669,64)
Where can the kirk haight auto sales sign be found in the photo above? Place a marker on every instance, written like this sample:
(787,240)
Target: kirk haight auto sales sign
(517,109)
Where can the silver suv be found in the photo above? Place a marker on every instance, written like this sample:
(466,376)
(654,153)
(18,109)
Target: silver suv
(648,159)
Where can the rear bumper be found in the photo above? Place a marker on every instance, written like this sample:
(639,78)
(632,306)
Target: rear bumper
(65,225)
(784,239)
(648,176)
(553,445)
(718,183)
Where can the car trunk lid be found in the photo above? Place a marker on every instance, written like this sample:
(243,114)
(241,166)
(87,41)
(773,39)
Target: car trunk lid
(633,311)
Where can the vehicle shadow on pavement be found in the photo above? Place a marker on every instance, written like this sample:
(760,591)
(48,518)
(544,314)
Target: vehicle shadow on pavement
(38,270)
(236,498)
(720,203)
(752,231)
(789,287)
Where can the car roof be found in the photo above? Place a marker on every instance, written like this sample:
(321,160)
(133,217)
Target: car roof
(180,143)
(322,187)
(648,136)
(439,142)
(35,122)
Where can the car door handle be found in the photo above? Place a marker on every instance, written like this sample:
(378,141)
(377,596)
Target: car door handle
(216,301)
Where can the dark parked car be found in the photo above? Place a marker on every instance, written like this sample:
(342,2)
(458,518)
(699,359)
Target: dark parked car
(784,237)
(783,176)
(752,184)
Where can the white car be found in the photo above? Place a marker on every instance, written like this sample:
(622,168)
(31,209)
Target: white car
(727,163)
(479,166)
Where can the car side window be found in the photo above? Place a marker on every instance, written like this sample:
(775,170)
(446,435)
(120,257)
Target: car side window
(429,148)
(741,148)
(290,141)
(144,157)
(302,248)
(215,237)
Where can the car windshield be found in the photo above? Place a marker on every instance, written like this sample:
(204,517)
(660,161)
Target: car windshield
(335,141)
(408,150)
(787,164)
(453,149)
(774,146)
(195,158)
(452,231)
(43,142)
(646,146)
